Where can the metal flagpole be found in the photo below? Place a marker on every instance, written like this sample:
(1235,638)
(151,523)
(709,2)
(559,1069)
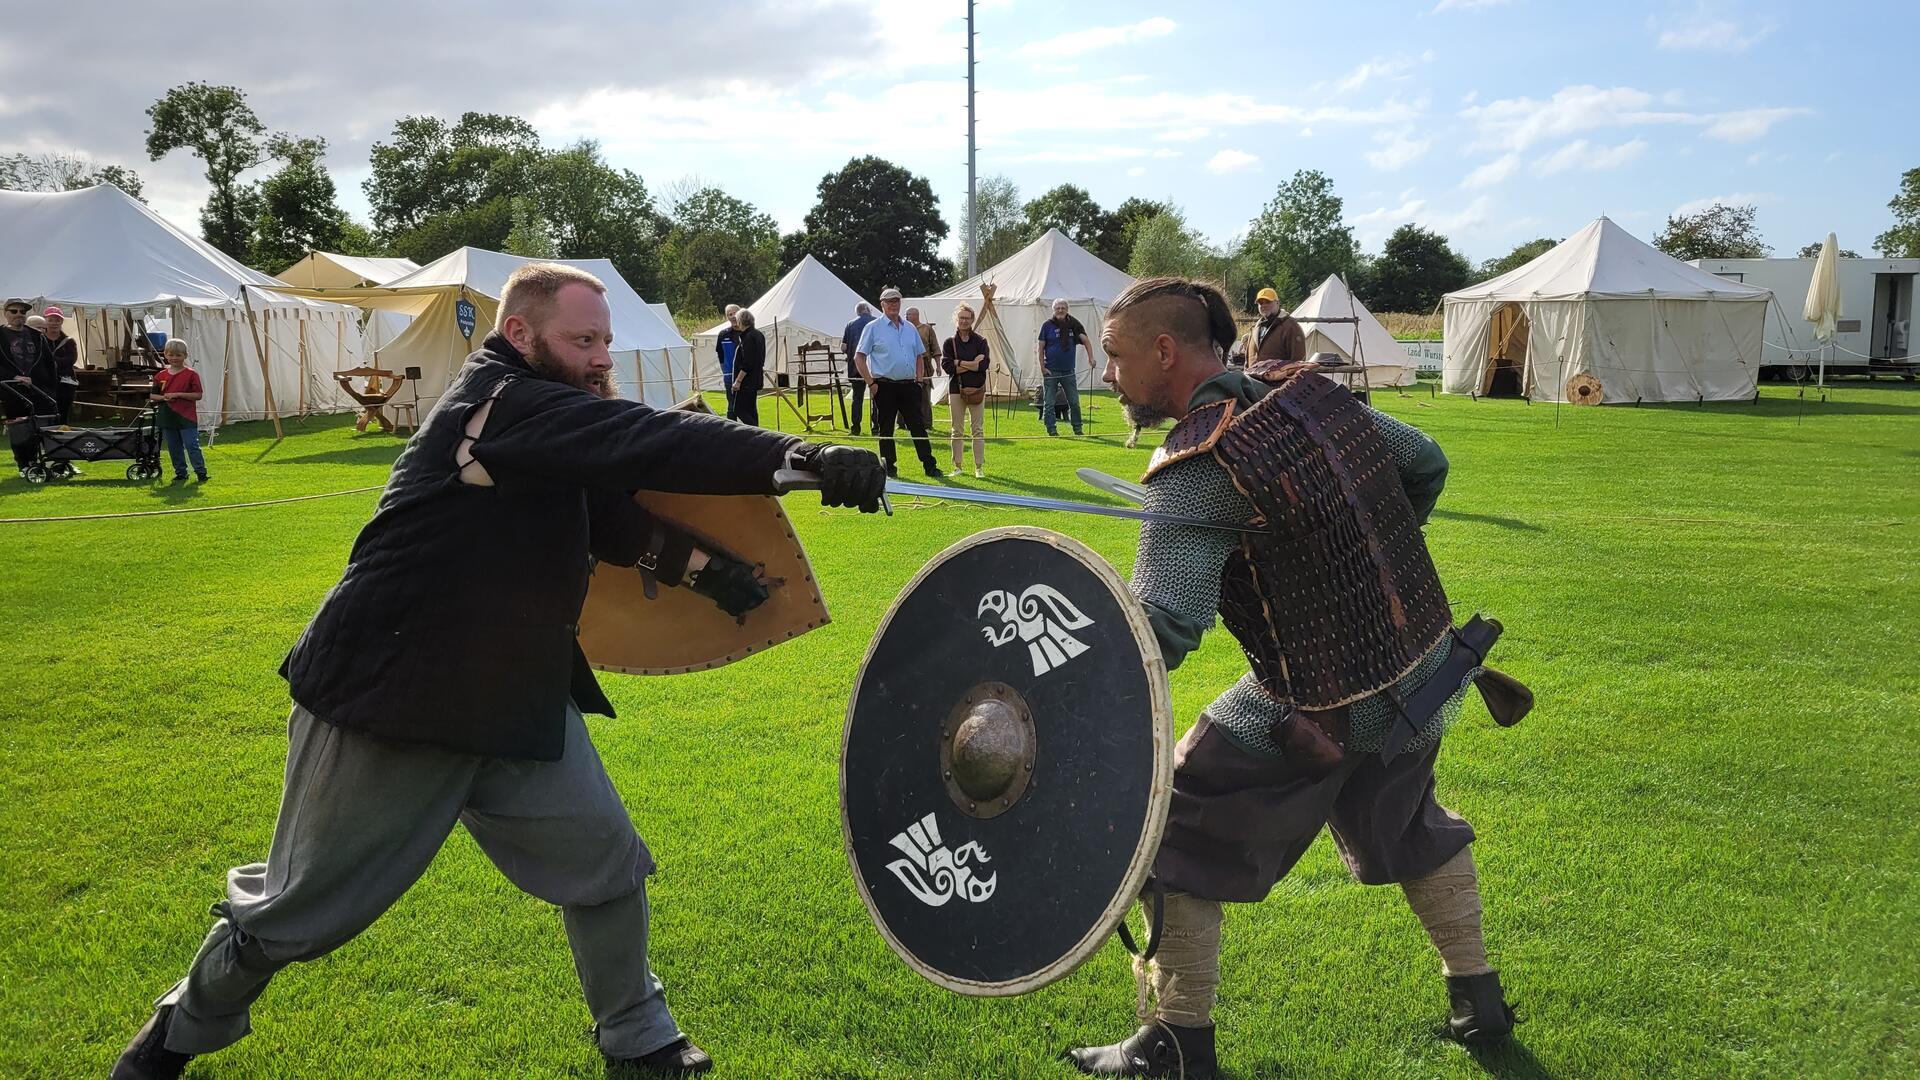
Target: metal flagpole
(973,266)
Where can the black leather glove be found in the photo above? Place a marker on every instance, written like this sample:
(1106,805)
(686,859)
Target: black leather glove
(849,476)
(729,583)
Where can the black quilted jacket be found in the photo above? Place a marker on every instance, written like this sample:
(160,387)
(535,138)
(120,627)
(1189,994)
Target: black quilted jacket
(454,623)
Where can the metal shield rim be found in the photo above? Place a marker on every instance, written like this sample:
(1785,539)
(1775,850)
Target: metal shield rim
(1159,800)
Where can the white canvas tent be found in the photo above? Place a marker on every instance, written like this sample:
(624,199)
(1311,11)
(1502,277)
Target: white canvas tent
(1026,285)
(1364,342)
(651,361)
(810,303)
(112,264)
(1605,310)
(328,270)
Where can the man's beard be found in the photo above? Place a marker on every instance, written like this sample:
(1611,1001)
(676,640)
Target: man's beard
(541,359)
(1140,414)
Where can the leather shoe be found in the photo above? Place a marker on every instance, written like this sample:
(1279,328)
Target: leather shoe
(677,1058)
(147,1056)
(1480,1013)
(1157,1049)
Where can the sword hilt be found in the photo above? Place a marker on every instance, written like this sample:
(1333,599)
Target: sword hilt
(785,480)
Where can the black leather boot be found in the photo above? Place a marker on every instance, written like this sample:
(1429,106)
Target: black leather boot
(677,1058)
(1158,1049)
(147,1056)
(1480,1010)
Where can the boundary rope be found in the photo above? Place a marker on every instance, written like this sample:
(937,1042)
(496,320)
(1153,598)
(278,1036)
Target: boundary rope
(188,509)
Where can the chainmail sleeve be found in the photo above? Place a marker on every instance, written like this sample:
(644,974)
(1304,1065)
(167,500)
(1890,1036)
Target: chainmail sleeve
(1422,465)
(1177,571)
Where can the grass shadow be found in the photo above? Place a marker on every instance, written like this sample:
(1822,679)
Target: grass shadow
(381,453)
(1509,1060)
(1490,519)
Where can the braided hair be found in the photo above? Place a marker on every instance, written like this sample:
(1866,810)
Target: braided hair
(1191,311)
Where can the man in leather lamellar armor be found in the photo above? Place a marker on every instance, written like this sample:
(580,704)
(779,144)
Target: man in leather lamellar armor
(1355,668)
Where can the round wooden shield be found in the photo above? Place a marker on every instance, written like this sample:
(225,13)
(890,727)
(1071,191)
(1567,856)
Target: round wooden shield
(1584,389)
(1007,762)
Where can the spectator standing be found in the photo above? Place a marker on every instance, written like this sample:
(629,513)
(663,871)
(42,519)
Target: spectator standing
(850,344)
(26,364)
(891,356)
(1058,338)
(965,360)
(749,369)
(929,341)
(66,356)
(177,388)
(1277,336)
(726,346)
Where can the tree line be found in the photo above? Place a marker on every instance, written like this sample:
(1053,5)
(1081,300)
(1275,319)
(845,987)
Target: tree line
(486,180)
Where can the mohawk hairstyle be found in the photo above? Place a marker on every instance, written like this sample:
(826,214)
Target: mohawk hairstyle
(1191,311)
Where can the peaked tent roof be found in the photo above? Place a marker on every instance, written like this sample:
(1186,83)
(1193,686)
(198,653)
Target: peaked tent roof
(1375,347)
(101,247)
(635,324)
(809,295)
(1049,268)
(328,270)
(1605,261)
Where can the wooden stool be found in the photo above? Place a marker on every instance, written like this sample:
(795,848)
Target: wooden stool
(405,415)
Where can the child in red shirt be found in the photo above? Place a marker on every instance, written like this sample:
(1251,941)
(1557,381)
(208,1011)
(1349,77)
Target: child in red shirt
(177,387)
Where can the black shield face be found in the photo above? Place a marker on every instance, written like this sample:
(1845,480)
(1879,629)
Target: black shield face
(1007,762)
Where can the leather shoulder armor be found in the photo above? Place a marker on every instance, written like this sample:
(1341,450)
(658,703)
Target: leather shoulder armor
(1193,436)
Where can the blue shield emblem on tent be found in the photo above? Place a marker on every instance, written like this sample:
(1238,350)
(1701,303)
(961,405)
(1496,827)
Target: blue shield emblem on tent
(466,316)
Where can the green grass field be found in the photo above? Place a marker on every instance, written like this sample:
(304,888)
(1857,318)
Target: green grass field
(1698,855)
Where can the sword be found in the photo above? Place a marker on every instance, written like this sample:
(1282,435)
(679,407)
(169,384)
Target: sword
(1113,485)
(785,480)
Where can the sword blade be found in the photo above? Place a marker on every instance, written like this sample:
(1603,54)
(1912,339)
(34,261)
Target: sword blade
(1037,502)
(1113,485)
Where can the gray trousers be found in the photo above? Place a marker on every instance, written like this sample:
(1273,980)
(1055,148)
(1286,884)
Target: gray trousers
(361,818)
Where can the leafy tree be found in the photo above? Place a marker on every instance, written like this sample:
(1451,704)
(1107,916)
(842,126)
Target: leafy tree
(597,211)
(876,224)
(1718,232)
(431,168)
(1003,223)
(1071,210)
(1415,269)
(484,225)
(1903,240)
(718,245)
(1812,251)
(1163,244)
(1299,239)
(298,210)
(63,172)
(357,239)
(1127,218)
(1517,258)
(529,236)
(220,128)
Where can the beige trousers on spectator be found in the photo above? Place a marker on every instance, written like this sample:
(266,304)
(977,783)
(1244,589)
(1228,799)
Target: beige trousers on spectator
(958,410)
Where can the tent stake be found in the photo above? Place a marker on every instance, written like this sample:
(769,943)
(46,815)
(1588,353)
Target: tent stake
(266,375)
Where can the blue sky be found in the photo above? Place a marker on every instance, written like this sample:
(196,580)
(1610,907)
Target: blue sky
(1494,121)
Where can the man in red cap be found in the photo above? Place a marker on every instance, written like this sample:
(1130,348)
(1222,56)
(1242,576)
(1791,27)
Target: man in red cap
(66,356)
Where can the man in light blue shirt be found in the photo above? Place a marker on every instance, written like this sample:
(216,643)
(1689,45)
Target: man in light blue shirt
(893,360)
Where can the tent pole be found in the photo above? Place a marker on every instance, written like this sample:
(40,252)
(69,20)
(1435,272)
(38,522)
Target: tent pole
(303,368)
(226,361)
(266,375)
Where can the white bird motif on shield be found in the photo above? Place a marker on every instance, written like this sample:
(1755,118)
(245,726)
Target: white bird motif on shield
(1041,617)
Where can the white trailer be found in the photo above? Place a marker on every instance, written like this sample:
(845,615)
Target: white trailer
(1875,335)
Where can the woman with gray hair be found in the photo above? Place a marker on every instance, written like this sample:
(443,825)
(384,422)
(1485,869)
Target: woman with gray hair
(749,368)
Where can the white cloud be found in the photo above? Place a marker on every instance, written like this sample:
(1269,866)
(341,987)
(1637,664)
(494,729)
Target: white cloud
(1492,172)
(1467,5)
(1077,42)
(1707,29)
(1519,123)
(1377,68)
(1374,225)
(1184,134)
(1580,154)
(1087,154)
(1227,161)
(1397,149)
(1137,170)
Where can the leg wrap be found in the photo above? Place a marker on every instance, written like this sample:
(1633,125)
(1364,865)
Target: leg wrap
(1447,903)
(1186,969)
